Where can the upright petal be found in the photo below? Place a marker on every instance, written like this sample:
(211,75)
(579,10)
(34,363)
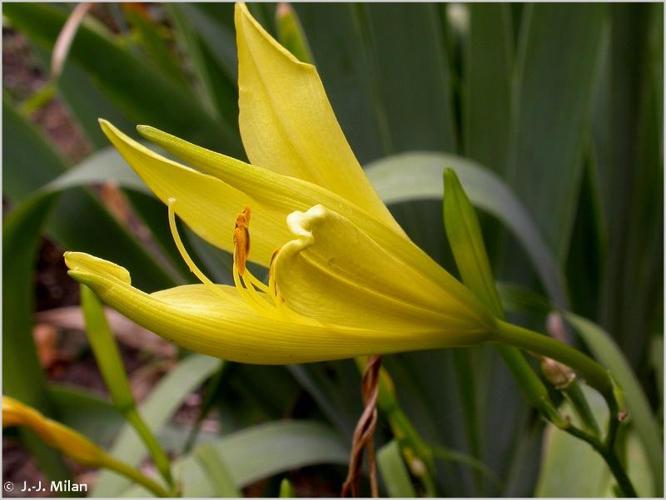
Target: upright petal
(287,123)
(208,205)
(335,273)
(197,319)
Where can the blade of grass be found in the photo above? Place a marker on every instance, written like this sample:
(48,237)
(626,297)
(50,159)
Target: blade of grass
(216,471)
(23,377)
(262,451)
(158,407)
(393,471)
(139,92)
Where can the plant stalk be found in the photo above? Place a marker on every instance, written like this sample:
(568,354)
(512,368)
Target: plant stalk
(593,373)
(136,476)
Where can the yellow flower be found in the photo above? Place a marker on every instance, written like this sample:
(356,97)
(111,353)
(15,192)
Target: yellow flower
(344,279)
(51,432)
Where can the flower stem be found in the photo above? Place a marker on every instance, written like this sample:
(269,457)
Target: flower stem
(134,475)
(593,373)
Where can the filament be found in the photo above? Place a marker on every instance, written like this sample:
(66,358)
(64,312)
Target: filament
(186,256)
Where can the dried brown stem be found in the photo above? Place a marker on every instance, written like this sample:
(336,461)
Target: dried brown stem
(364,433)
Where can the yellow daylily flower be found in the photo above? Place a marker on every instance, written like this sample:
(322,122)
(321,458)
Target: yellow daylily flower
(344,279)
(63,438)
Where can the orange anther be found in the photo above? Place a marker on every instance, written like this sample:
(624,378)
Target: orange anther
(242,239)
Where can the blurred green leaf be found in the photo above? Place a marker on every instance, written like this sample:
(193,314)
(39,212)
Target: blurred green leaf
(407,59)
(201,67)
(22,374)
(290,33)
(79,221)
(334,387)
(144,95)
(608,353)
(286,489)
(217,472)
(628,140)
(517,299)
(344,66)
(156,410)
(565,457)
(557,63)
(260,452)
(85,411)
(393,471)
(112,369)
(419,176)
(106,350)
(488,71)
(155,45)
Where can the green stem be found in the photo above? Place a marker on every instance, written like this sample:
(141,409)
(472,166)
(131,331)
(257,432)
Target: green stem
(611,459)
(134,475)
(620,474)
(582,408)
(156,451)
(593,373)
(531,384)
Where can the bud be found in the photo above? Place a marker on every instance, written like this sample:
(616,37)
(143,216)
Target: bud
(52,433)
(561,376)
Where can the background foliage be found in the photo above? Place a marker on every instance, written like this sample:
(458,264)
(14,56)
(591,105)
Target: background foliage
(563,103)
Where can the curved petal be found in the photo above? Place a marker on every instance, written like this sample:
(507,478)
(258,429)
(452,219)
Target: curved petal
(285,194)
(335,273)
(287,123)
(197,319)
(208,205)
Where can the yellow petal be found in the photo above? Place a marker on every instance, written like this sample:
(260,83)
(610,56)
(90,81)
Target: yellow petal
(287,123)
(199,320)
(283,194)
(208,205)
(336,273)
(51,432)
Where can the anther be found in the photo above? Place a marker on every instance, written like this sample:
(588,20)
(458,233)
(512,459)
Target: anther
(242,239)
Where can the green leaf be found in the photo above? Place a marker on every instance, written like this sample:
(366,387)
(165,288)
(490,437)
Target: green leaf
(645,424)
(408,59)
(143,95)
(334,387)
(105,350)
(393,471)
(419,176)
(487,99)
(22,374)
(79,221)
(290,33)
(629,131)
(464,234)
(260,452)
(517,299)
(344,67)
(191,45)
(286,489)
(565,457)
(155,45)
(217,472)
(156,410)
(86,412)
(558,60)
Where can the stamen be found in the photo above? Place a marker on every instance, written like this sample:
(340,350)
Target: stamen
(186,256)
(242,239)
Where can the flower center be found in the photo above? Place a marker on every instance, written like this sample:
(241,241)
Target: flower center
(264,299)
